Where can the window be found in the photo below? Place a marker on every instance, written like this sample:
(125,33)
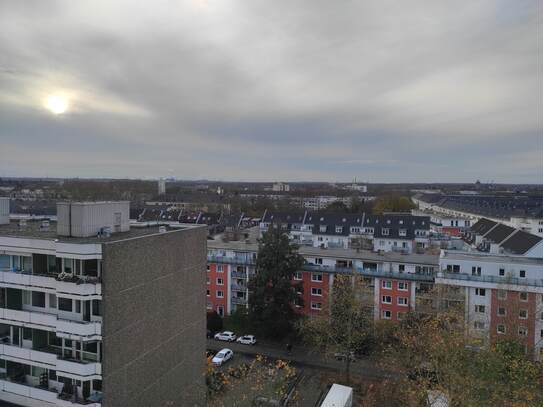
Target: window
(387,299)
(402,232)
(27,334)
(207,268)
(52,301)
(316,306)
(317,277)
(322,228)
(78,306)
(502,294)
(220,294)
(522,331)
(402,301)
(208,281)
(38,299)
(403,286)
(318,260)
(220,281)
(339,229)
(386,314)
(26,297)
(523,296)
(500,329)
(52,374)
(479,325)
(219,268)
(97,307)
(220,310)
(387,284)
(523,314)
(453,268)
(65,304)
(476,271)
(316,291)
(480,309)
(480,292)
(208,293)
(501,311)
(298,275)
(501,272)
(401,268)
(385,231)
(522,273)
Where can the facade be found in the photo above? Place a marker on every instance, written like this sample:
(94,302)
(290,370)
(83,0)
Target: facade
(112,319)
(503,295)
(393,274)
(392,232)
(280,187)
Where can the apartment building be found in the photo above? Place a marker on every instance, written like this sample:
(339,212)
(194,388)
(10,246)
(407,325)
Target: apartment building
(503,295)
(396,232)
(95,313)
(390,278)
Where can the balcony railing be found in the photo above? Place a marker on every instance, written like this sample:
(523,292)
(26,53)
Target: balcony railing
(238,287)
(231,260)
(65,283)
(63,327)
(492,279)
(238,300)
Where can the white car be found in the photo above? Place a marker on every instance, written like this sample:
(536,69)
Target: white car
(222,357)
(247,339)
(225,336)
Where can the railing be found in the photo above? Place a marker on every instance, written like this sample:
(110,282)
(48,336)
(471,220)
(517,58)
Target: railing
(238,287)
(331,269)
(492,279)
(241,301)
(231,260)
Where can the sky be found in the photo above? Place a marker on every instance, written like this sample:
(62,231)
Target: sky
(384,91)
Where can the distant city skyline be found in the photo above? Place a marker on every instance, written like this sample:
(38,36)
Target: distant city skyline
(424,91)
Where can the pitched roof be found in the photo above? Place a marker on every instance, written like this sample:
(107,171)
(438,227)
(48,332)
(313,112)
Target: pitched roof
(499,233)
(482,226)
(343,222)
(521,242)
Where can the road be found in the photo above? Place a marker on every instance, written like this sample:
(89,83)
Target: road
(302,357)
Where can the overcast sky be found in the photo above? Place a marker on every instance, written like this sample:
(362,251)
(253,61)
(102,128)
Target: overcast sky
(274,90)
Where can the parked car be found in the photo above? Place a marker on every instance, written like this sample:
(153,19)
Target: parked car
(343,356)
(247,339)
(222,357)
(225,336)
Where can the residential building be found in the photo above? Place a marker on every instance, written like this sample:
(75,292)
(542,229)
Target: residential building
(280,187)
(94,312)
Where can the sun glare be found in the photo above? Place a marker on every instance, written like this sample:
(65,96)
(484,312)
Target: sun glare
(56,104)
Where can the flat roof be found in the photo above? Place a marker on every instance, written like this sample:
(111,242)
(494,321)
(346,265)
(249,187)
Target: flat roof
(33,230)
(494,258)
(367,255)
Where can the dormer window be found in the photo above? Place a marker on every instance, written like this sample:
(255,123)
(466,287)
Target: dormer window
(385,231)
(402,232)
(339,229)
(322,228)
(388,221)
(400,221)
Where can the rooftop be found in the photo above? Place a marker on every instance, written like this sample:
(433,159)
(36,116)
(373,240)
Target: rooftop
(336,253)
(491,258)
(34,230)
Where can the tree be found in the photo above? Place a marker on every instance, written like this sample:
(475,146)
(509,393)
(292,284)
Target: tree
(214,321)
(346,326)
(271,291)
(392,203)
(435,353)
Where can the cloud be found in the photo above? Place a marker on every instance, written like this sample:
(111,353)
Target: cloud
(427,90)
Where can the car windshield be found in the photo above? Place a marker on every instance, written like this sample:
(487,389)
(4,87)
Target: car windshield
(220,355)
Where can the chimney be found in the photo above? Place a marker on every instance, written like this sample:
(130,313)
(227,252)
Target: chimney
(4,211)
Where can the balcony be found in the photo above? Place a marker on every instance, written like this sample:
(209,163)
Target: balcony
(238,287)
(516,281)
(237,274)
(239,300)
(64,327)
(231,260)
(50,356)
(61,283)
(19,393)
(368,272)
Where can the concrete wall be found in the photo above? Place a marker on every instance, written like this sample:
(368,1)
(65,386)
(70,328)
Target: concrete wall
(154,320)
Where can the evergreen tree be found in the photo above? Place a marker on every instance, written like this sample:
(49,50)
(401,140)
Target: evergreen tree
(272,292)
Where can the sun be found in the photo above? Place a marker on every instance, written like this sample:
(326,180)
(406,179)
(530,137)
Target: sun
(57,104)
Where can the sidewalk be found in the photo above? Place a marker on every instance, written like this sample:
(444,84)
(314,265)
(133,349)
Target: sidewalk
(302,356)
